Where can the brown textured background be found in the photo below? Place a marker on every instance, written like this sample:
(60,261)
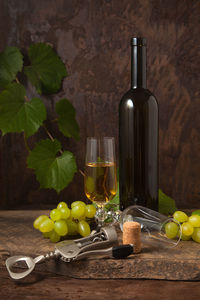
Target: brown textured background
(92,38)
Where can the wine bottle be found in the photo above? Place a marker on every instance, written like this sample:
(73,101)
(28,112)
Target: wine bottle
(138,136)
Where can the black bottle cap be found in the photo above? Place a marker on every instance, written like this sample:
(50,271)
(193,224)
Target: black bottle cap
(122,251)
(138,41)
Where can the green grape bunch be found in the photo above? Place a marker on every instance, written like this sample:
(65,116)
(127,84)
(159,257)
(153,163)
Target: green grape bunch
(64,221)
(190,226)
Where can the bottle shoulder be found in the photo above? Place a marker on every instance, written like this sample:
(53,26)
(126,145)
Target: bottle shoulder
(138,95)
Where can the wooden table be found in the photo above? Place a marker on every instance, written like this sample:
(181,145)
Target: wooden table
(17,236)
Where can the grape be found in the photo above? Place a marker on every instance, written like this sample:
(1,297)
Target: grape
(81,218)
(60,227)
(75,203)
(194,220)
(90,184)
(171,230)
(90,211)
(180,216)
(196,212)
(61,205)
(55,214)
(72,227)
(65,212)
(54,237)
(46,234)
(64,221)
(196,235)
(185,237)
(84,228)
(47,225)
(187,228)
(38,221)
(78,211)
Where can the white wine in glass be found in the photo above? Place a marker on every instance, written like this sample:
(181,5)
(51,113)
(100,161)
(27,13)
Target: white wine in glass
(100,179)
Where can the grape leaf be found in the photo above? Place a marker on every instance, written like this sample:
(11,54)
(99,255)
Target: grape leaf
(52,171)
(196,212)
(16,114)
(11,62)
(66,119)
(46,70)
(166,204)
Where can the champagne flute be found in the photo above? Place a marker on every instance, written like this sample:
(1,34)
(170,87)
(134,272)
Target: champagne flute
(100,180)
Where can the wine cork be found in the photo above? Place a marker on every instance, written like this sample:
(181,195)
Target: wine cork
(132,235)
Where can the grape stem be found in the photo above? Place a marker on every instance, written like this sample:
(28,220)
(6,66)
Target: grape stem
(50,136)
(25,97)
(48,133)
(26,143)
(82,173)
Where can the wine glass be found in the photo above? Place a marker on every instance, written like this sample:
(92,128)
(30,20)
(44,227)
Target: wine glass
(153,226)
(100,180)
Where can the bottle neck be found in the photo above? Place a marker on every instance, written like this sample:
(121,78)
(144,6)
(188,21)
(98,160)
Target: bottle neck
(138,66)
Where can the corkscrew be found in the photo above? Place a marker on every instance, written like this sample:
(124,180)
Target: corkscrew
(93,245)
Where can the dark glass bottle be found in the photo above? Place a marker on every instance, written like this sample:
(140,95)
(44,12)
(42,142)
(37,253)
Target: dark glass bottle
(138,136)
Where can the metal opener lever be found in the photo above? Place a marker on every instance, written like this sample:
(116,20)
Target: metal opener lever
(94,244)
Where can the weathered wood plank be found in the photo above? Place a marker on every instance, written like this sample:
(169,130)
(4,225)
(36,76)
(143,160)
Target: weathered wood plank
(19,237)
(48,286)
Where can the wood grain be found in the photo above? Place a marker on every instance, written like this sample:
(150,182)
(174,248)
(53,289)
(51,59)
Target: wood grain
(49,286)
(18,237)
(92,38)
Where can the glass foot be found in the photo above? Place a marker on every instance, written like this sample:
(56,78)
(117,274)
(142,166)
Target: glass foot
(108,215)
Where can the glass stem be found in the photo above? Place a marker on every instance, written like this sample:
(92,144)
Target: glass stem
(100,215)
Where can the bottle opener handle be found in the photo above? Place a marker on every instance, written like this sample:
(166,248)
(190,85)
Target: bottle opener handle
(30,262)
